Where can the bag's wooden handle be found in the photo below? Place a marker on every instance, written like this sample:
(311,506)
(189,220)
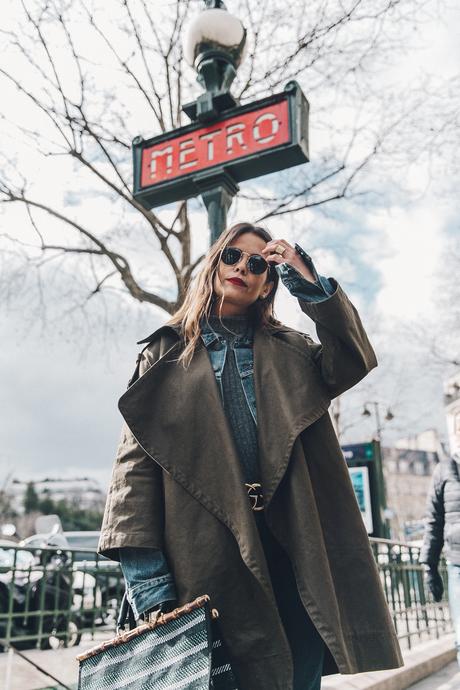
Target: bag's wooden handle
(161,619)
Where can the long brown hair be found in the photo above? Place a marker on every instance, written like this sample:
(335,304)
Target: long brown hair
(200,296)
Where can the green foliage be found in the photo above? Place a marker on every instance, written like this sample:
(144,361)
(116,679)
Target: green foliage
(46,506)
(71,515)
(31,499)
(7,512)
(73,518)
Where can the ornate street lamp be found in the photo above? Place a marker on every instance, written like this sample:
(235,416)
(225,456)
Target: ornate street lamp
(214,45)
(226,142)
(367,413)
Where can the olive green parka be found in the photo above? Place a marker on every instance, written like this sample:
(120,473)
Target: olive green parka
(177,485)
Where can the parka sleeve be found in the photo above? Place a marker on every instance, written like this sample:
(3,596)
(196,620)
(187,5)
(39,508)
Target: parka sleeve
(344,355)
(433,537)
(134,510)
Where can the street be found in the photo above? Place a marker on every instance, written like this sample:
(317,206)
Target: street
(447,678)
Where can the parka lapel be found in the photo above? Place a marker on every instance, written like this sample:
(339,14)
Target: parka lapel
(290,396)
(177,417)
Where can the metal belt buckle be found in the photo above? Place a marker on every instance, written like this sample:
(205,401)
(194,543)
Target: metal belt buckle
(256,496)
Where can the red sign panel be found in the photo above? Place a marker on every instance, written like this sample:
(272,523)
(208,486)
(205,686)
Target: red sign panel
(228,140)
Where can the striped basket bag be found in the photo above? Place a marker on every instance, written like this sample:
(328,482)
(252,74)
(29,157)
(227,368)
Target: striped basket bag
(178,650)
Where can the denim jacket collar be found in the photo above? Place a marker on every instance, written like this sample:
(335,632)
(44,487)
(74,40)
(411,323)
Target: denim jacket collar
(209,336)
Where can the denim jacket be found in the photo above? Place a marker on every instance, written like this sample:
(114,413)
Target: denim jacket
(149,582)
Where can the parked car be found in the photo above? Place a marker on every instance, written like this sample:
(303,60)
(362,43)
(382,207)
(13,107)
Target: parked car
(97,581)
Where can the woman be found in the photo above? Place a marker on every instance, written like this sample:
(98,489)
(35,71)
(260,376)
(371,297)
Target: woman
(229,479)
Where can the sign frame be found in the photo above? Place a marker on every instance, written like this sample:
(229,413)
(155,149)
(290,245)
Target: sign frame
(369,455)
(360,475)
(193,183)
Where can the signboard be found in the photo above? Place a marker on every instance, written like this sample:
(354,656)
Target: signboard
(452,408)
(238,136)
(452,399)
(364,463)
(360,480)
(244,142)
(453,427)
(358,451)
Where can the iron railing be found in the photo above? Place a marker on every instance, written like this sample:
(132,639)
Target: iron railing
(50,597)
(416,616)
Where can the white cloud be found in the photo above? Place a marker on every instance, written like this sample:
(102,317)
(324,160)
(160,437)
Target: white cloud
(413,239)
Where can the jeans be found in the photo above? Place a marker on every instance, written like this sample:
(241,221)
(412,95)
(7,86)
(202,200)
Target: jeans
(307,646)
(149,581)
(453,572)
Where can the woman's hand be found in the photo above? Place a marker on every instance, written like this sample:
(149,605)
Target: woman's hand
(289,256)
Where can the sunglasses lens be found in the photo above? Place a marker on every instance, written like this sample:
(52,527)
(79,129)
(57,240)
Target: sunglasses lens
(231,255)
(257,264)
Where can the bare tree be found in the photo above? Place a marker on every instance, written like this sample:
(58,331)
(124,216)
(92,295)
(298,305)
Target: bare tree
(439,339)
(444,340)
(89,80)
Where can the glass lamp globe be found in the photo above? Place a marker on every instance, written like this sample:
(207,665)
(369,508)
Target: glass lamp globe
(215,32)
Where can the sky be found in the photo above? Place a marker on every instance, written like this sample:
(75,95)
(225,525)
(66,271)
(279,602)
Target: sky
(60,386)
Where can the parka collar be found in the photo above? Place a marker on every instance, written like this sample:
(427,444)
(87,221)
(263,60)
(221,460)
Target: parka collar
(177,329)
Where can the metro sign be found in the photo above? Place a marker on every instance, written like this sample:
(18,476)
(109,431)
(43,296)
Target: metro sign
(245,142)
(237,136)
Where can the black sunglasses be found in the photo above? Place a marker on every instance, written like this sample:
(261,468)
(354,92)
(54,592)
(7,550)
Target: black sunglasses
(256,262)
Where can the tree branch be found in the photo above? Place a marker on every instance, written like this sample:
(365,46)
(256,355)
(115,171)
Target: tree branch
(119,262)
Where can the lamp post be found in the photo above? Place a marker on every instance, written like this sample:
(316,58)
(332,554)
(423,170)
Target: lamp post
(381,491)
(226,142)
(367,413)
(215,45)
